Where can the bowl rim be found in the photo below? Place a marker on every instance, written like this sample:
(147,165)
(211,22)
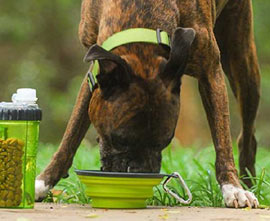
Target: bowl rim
(99,173)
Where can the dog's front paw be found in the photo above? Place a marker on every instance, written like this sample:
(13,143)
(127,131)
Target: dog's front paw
(236,197)
(41,190)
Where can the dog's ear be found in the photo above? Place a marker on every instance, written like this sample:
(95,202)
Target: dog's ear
(114,72)
(181,42)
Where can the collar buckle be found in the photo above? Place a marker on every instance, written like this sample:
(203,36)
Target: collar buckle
(91,81)
(159,39)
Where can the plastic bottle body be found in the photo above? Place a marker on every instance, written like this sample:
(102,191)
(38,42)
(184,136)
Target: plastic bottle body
(18,149)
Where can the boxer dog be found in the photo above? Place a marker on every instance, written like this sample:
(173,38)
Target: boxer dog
(135,106)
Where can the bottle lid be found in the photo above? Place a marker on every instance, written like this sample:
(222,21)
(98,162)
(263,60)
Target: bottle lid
(25,95)
(23,106)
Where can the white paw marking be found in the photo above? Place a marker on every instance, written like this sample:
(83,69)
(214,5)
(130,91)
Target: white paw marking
(40,189)
(237,197)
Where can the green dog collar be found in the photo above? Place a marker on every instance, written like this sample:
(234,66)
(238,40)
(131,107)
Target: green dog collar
(134,35)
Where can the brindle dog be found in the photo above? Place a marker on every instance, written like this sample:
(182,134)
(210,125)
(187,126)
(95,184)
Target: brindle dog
(135,107)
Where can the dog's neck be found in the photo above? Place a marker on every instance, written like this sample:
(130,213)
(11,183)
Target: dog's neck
(137,14)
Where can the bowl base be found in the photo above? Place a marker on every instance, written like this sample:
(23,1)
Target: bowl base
(118,203)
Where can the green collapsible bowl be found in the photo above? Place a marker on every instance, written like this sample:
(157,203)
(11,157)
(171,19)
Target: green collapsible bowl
(119,190)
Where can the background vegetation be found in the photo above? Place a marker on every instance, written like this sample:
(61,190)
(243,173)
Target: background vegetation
(39,48)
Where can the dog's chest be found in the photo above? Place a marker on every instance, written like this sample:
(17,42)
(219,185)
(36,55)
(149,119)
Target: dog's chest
(220,4)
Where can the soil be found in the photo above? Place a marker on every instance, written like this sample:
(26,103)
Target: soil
(79,212)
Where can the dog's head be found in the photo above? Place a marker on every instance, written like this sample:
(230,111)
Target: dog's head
(136,117)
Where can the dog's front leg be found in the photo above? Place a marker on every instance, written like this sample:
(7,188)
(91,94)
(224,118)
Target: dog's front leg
(62,160)
(214,96)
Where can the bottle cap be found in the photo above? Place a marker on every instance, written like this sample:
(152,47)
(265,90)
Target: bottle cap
(25,95)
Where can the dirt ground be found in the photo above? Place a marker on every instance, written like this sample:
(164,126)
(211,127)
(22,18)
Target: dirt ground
(77,212)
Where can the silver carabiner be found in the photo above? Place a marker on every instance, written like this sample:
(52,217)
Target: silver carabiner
(182,182)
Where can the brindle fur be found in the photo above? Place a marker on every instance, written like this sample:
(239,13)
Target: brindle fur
(224,41)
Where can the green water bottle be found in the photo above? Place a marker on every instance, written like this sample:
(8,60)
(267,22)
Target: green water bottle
(19,135)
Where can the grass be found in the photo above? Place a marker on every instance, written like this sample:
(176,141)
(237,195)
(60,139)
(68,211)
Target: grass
(196,166)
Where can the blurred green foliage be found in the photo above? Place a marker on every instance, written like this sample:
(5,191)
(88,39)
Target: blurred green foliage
(262,37)
(39,48)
